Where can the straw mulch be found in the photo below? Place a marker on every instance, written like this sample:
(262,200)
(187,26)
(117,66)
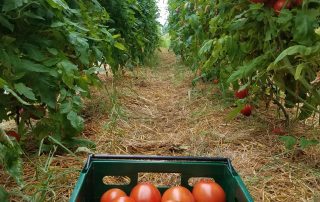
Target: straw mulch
(159,112)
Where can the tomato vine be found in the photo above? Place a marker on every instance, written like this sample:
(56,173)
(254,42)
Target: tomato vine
(269,47)
(50,51)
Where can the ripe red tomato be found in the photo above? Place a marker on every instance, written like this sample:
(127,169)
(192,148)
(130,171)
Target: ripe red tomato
(278,6)
(179,194)
(246,111)
(145,192)
(215,81)
(170,201)
(123,199)
(208,190)
(112,194)
(13,134)
(242,93)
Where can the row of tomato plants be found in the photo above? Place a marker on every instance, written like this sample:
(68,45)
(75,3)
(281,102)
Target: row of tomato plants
(50,53)
(269,47)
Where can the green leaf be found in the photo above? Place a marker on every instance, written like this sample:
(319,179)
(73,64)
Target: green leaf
(317,31)
(305,112)
(120,46)
(288,141)
(27,65)
(304,27)
(2,82)
(305,143)
(247,69)
(9,5)
(298,49)
(4,195)
(299,69)
(7,89)
(75,142)
(10,158)
(45,87)
(53,51)
(68,79)
(76,121)
(34,52)
(235,112)
(67,66)
(24,90)
(206,47)
(59,4)
(66,107)
(4,22)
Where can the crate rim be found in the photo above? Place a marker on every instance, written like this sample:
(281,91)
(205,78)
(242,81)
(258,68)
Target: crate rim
(93,157)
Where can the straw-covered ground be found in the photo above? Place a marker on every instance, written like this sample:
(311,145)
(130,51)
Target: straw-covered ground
(157,111)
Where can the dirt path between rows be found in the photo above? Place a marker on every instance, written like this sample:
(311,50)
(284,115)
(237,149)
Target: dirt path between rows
(157,111)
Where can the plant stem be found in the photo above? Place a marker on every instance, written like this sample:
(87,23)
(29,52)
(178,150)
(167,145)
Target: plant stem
(283,110)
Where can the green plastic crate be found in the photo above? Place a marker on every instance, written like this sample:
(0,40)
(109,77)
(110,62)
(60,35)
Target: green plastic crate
(90,186)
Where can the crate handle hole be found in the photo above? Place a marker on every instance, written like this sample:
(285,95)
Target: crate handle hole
(160,179)
(193,180)
(116,180)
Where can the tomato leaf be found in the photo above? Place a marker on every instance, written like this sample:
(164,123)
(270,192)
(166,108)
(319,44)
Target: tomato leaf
(2,82)
(247,69)
(119,46)
(298,49)
(299,69)
(304,27)
(76,121)
(9,5)
(59,4)
(289,141)
(8,90)
(4,195)
(10,158)
(235,112)
(24,90)
(305,143)
(4,22)
(206,47)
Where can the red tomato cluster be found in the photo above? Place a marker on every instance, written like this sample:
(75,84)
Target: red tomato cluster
(241,94)
(278,5)
(203,191)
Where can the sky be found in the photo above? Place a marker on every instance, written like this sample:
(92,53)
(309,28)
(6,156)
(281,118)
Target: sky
(163,8)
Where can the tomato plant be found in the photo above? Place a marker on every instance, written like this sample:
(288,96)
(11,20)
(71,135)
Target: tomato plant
(245,43)
(50,54)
